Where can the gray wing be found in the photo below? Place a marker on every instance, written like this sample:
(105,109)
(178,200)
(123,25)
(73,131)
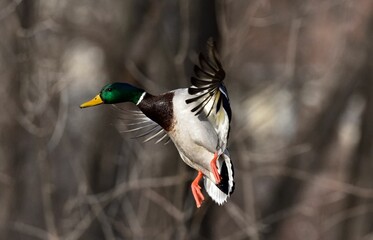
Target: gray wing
(137,123)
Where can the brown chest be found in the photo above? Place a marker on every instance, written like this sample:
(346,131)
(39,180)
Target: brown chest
(159,109)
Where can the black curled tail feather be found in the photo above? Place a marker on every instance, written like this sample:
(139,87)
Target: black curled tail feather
(224,184)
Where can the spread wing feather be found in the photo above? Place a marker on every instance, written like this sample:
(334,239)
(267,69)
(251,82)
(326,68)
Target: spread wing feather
(136,122)
(209,94)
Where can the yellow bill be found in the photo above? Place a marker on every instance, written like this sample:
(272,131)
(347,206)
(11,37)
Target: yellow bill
(95,101)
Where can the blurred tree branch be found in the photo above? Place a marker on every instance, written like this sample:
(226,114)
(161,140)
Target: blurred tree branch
(299,77)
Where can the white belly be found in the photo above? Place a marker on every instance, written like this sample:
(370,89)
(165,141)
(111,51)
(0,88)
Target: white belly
(195,137)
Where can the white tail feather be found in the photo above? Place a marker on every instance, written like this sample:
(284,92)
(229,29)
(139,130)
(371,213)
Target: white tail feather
(213,191)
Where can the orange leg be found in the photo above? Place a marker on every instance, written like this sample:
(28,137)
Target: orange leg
(215,169)
(196,190)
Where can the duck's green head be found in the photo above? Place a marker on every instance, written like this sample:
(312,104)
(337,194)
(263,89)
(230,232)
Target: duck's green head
(115,93)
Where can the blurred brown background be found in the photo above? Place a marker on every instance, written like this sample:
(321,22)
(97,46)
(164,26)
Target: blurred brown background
(300,79)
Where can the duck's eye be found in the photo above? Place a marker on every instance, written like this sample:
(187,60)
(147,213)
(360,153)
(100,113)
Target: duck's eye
(109,89)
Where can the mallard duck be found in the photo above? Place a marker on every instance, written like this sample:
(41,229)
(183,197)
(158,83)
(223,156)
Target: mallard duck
(196,119)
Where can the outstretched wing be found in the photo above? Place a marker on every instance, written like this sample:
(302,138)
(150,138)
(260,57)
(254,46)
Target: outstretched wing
(143,127)
(209,94)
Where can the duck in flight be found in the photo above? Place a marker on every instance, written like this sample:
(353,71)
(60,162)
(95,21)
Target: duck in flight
(196,119)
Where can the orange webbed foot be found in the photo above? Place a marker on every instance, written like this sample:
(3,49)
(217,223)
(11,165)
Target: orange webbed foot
(196,190)
(214,168)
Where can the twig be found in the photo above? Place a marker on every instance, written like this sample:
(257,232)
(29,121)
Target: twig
(345,215)
(61,122)
(81,227)
(46,190)
(319,180)
(105,198)
(102,218)
(31,230)
(248,224)
(132,218)
(140,184)
(165,204)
